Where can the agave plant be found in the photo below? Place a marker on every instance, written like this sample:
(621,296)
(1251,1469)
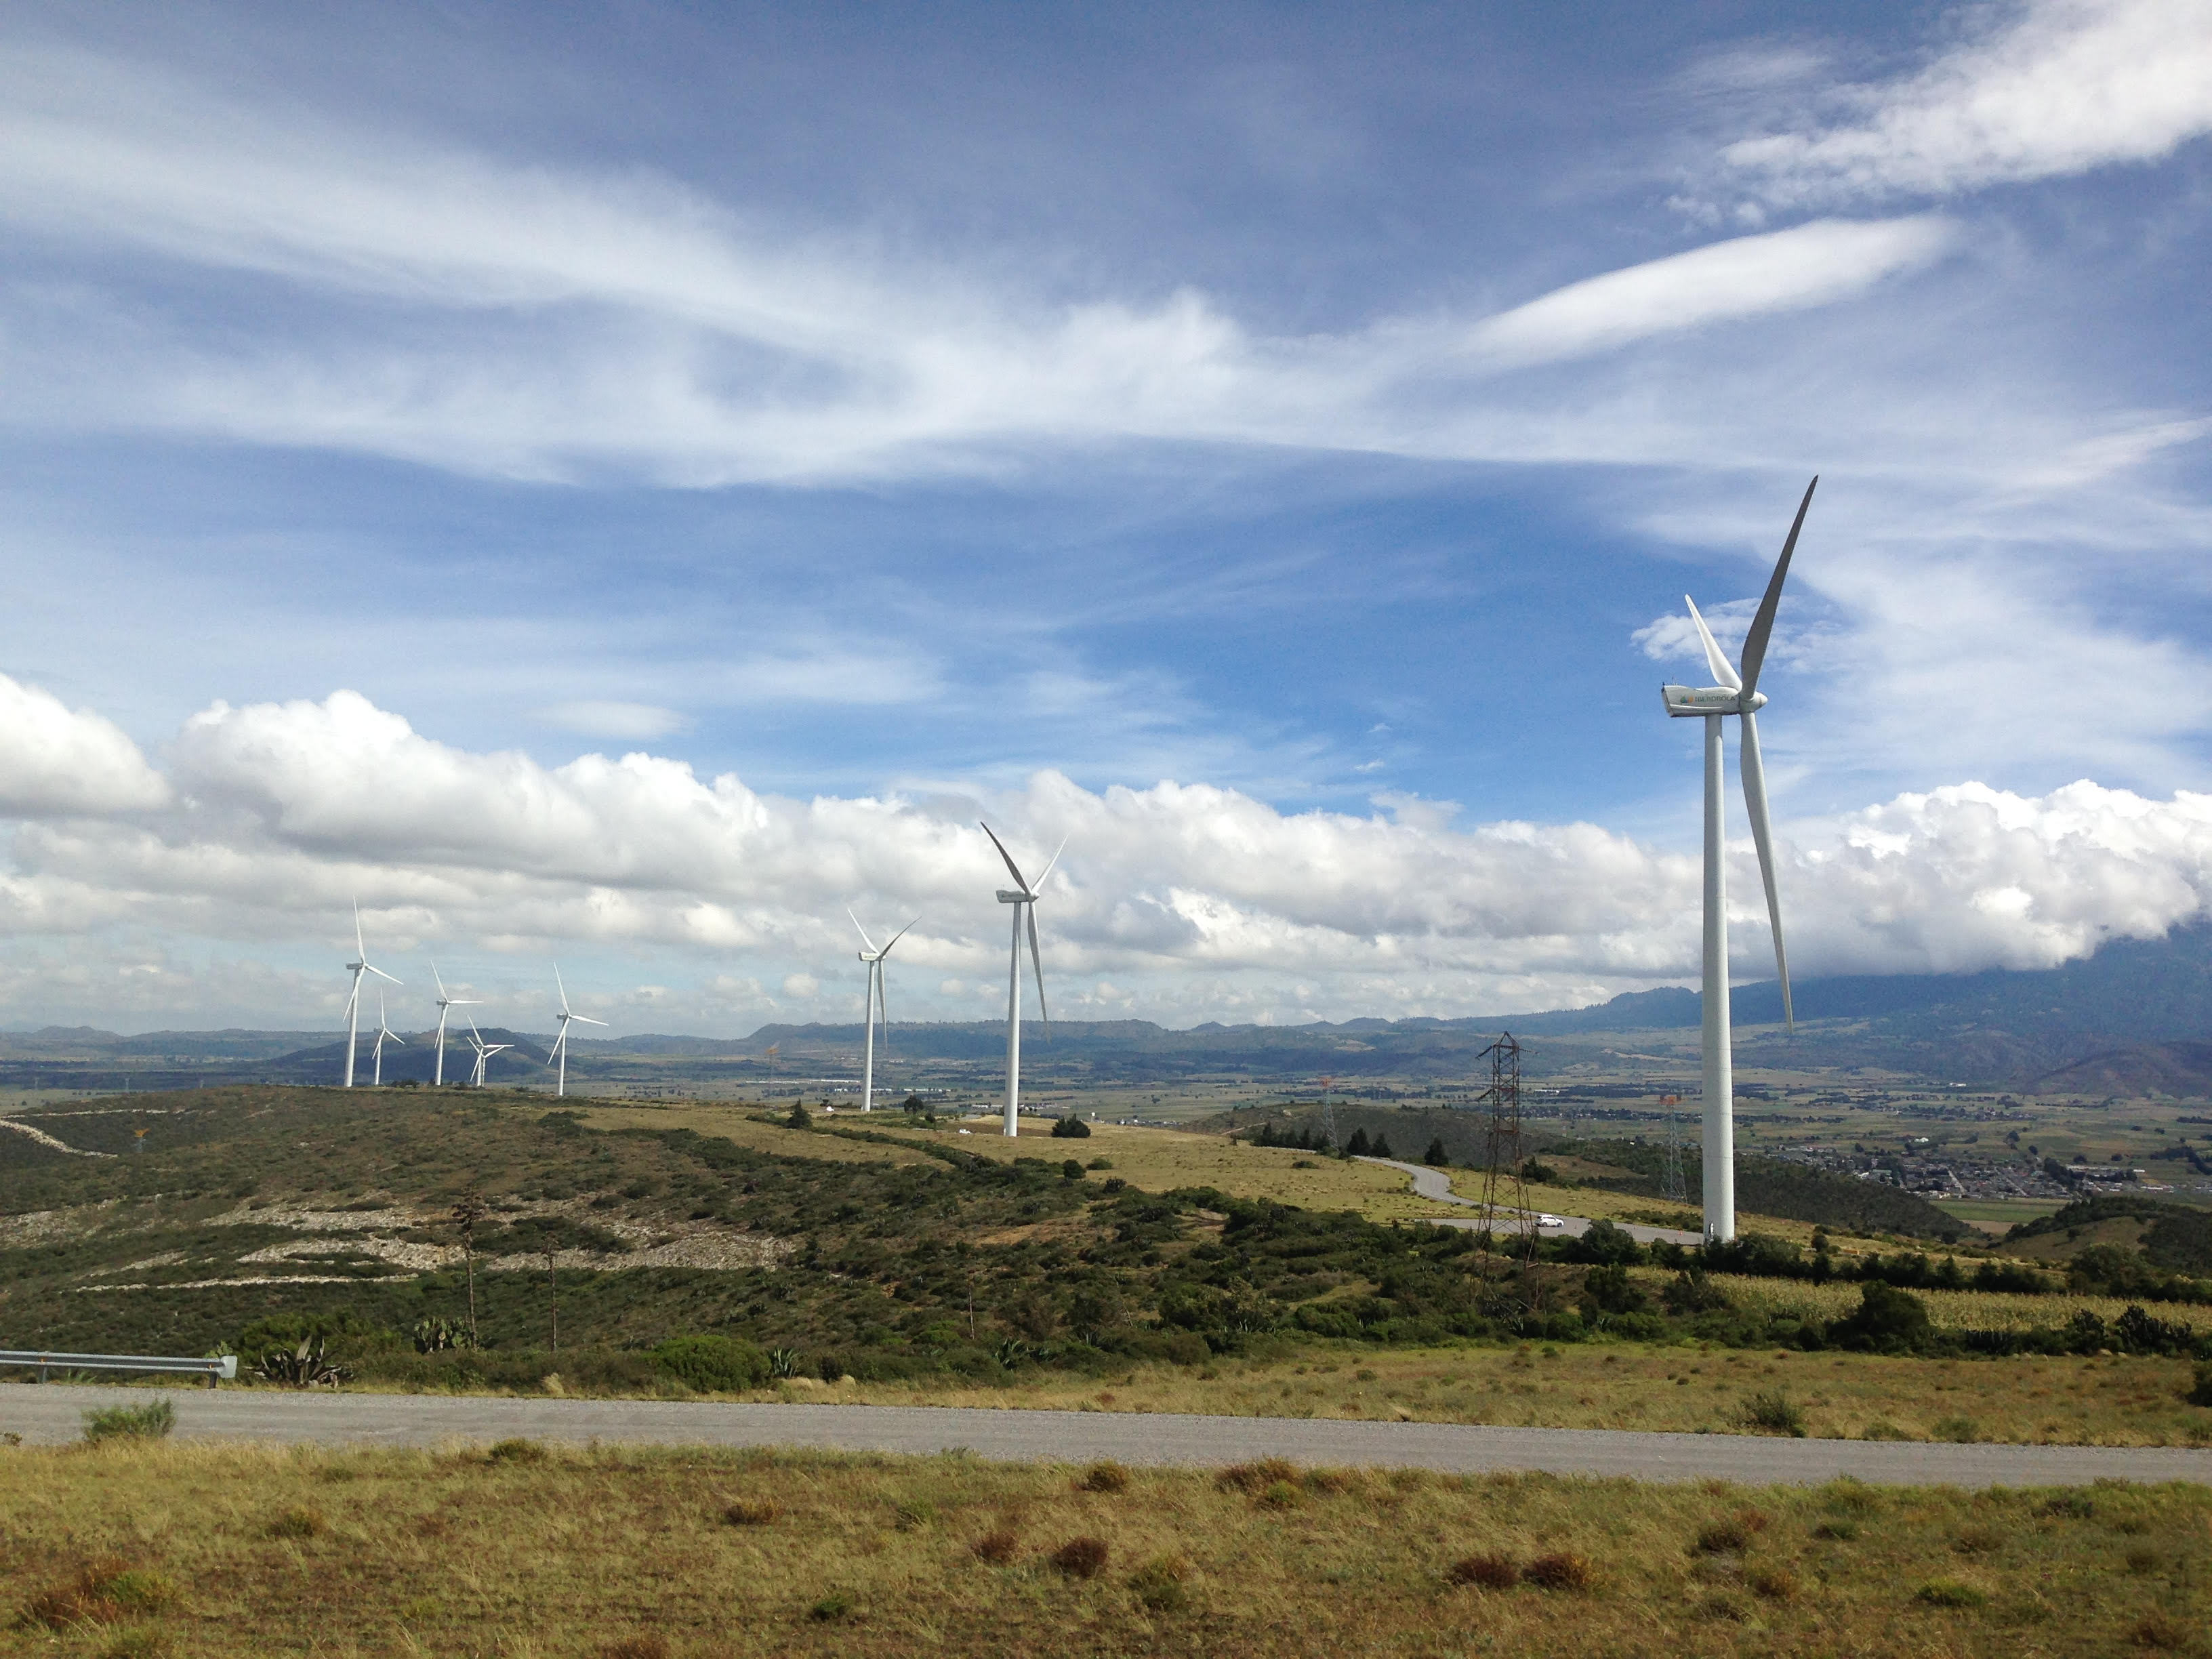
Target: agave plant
(303,1367)
(783,1362)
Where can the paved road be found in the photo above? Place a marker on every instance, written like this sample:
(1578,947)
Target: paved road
(1437,1184)
(54,1413)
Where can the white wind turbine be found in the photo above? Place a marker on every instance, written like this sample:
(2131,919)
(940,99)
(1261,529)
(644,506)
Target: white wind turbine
(484,1052)
(1024,899)
(384,1033)
(357,967)
(560,1054)
(1737,694)
(446,1000)
(874,958)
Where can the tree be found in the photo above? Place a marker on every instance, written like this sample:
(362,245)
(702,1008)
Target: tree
(466,1214)
(1070,1127)
(797,1117)
(1436,1156)
(1381,1148)
(1357,1146)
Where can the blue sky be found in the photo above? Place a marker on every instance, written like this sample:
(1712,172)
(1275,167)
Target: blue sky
(906,413)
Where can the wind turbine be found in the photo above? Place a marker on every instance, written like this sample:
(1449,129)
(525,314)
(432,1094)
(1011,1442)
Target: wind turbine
(359,966)
(1737,694)
(1024,899)
(874,958)
(445,1001)
(383,1032)
(484,1052)
(560,1054)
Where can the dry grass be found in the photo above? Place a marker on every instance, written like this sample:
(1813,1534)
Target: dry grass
(1952,1310)
(625,1553)
(2030,1399)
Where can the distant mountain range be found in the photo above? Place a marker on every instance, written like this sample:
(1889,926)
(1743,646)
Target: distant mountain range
(2135,1018)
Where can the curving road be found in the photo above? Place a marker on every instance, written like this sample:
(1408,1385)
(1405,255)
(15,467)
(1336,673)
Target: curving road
(54,1413)
(1436,1184)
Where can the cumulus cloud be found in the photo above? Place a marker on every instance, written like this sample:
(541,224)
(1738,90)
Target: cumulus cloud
(2056,87)
(1180,901)
(60,762)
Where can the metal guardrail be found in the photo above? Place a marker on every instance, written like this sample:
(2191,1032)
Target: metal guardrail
(223,1369)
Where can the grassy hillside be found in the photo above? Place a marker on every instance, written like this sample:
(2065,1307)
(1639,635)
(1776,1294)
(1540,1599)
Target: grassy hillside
(694,1554)
(1768,1185)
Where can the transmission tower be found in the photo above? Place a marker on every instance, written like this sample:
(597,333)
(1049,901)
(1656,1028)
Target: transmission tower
(1504,1195)
(1671,1185)
(1328,1117)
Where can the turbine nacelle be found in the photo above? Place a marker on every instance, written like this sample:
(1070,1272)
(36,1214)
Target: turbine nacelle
(1684,701)
(1005,898)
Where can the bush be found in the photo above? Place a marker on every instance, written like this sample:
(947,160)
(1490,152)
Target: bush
(1081,1558)
(1071,1171)
(516,1450)
(1071,1127)
(1949,1593)
(1564,1571)
(100,1592)
(1100,1163)
(1773,1413)
(149,1422)
(1160,1584)
(1887,1320)
(1256,1477)
(1730,1537)
(998,1546)
(297,1523)
(724,1364)
(831,1607)
(1775,1584)
(1436,1158)
(1108,1476)
(2201,1395)
(752,1512)
(1495,1571)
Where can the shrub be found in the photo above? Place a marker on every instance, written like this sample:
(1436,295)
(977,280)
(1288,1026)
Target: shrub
(1256,1477)
(1772,1413)
(2158,1630)
(1279,1495)
(998,1546)
(752,1512)
(1161,1584)
(1887,1320)
(651,1645)
(1961,1430)
(1070,1127)
(1081,1558)
(516,1450)
(101,1592)
(914,1512)
(1108,1476)
(1949,1593)
(831,1607)
(146,1642)
(1728,1537)
(149,1422)
(1564,1571)
(297,1523)
(1496,1571)
(1100,1163)
(1975,1541)
(1436,1158)
(1841,1530)
(723,1365)
(1775,1584)
(1071,1171)
(2201,1394)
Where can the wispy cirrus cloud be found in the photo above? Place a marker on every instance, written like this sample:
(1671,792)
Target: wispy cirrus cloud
(2045,89)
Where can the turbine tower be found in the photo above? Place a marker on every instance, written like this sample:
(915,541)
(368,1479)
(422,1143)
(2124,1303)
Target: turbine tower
(484,1052)
(874,958)
(1737,694)
(384,1033)
(357,967)
(560,1054)
(1024,899)
(446,1000)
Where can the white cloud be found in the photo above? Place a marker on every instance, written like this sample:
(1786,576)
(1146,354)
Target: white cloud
(56,763)
(1178,902)
(641,720)
(2059,87)
(1793,269)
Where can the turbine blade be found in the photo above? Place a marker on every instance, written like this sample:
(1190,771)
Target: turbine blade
(436,974)
(1762,625)
(563,989)
(882,1012)
(1721,672)
(863,932)
(895,937)
(1037,962)
(359,948)
(1056,852)
(1754,800)
(380,973)
(587,1020)
(1012,869)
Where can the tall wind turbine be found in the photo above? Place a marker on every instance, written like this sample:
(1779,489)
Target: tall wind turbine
(446,1000)
(1737,694)
(357,967)
(484,1052)
(874,958)
(560,1054)
(1024,899)
(384,1033)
